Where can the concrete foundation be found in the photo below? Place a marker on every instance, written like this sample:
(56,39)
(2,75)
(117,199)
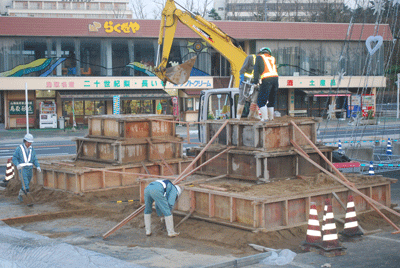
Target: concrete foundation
(360,153)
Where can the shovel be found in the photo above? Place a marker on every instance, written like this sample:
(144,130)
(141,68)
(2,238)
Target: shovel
(27,198)
(180,74)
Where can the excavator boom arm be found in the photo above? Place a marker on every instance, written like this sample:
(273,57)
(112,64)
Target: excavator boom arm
(208,31)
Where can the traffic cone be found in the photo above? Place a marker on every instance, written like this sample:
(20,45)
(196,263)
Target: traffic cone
(340,150)
(327,202)
(351,225)
(313,236)
(330,240)
(9,174)
(389,147)
(9,170)
(371,168)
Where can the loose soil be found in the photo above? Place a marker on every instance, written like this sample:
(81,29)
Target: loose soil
(196,234)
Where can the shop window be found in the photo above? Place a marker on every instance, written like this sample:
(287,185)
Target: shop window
(189,104)
(138,107)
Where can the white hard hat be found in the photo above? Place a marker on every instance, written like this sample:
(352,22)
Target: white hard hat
(179,190)
(28,137)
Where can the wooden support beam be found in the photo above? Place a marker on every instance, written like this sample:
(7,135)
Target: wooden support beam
(347,183)
(366,198)
(176,181)
(213,187)
(45,216)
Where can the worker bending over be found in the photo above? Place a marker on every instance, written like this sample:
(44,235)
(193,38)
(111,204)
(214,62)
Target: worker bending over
(164,194)
(24,158)
(265,69)
(246,75)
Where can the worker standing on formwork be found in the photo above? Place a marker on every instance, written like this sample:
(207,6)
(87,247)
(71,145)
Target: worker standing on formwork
(265,69)
(164,194)
(24,158)
(246,75)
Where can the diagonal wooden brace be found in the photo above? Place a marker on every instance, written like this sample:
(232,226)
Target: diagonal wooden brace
(176,181)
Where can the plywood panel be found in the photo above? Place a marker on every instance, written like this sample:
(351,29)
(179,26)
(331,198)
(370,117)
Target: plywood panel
(134,153)
(111,128)
(379,194)
(71,183)
(201,203)
(244,211)
(217,166)
(106,152)
(162,129)
(282,167)
(222,207)
(297,211)
(273,215)
(137,129)
(89,149)
(95,127)
(93,180)
(243,165)
(275,137)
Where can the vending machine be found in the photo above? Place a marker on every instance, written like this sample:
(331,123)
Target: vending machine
(48,114)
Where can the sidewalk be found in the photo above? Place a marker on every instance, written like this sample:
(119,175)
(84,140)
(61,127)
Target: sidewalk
(181,129)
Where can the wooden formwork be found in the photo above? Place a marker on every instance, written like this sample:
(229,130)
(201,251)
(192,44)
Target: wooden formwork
(266,136)
(80,176)
(129,150)
(261,165)
(270,213)
(130,126)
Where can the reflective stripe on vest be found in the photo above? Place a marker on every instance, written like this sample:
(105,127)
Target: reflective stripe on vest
(270,67)
(251,75)
(27,159)
(164,184)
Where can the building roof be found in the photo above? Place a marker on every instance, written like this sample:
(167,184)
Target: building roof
(240,30)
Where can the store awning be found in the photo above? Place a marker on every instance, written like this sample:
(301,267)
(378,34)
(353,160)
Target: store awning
(326,92)
(108,95)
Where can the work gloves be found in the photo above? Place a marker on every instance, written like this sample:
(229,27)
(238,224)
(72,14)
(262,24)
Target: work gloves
(39,169)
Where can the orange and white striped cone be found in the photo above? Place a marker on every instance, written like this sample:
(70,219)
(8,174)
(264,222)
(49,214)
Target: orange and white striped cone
(351,224)
(330,239)
(327,202)
(9,170)
(313,236)
(9,174)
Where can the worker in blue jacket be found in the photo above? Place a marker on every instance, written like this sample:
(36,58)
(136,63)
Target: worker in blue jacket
(24,158)
(164,194)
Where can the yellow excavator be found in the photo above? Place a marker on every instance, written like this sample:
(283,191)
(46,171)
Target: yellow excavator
(208,31)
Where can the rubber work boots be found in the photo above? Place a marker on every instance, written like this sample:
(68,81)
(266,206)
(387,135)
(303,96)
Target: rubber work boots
(253,111)
(240,108)
(147,223)
(264,113)
(271,113)
(169,223)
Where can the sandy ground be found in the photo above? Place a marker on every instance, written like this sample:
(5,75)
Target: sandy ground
(197,237)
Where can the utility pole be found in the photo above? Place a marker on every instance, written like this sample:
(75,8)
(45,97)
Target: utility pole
(265,10)
(398,95)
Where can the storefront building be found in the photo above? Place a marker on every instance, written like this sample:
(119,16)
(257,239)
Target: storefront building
(81,65)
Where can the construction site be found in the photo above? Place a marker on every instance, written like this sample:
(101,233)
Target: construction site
(249,188)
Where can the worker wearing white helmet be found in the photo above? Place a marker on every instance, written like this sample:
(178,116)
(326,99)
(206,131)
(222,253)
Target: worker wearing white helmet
(164,194)
(24,159)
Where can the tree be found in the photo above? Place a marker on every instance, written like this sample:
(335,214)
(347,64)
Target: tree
(213,14)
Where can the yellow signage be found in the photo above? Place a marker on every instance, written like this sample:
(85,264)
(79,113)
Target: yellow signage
(110,27)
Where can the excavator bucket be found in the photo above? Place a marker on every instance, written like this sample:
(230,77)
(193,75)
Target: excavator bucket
(179,74)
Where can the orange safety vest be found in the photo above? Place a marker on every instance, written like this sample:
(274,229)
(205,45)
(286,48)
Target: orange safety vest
(270,67)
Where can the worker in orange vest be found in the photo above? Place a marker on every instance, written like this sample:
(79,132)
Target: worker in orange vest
(266,71)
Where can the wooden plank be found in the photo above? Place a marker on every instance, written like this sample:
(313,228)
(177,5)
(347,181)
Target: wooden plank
(233,209)
(211,205)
